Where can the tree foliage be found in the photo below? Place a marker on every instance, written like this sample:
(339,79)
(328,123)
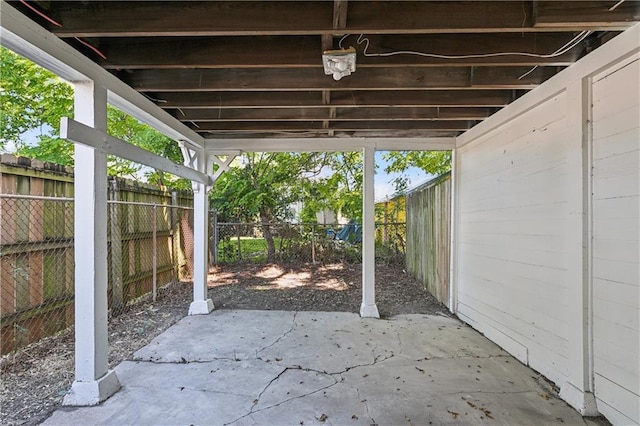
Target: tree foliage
(31,99)
(32,102)
(432,162)
(264,186)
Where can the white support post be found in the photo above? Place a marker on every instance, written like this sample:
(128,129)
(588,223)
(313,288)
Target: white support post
(453,247)
(203,161)
(368,309)
(94,382)
(578,390)
(201,304)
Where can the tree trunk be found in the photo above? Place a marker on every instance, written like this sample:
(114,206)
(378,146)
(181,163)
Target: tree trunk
(268,236)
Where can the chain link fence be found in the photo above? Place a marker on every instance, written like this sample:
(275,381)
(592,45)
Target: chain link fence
(305,242)
(149,245)
(36,267)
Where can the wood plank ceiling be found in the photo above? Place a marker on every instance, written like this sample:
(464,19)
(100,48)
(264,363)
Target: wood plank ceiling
(254,68)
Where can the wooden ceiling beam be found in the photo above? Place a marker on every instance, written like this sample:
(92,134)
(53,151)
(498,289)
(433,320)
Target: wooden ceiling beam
(586,14)
(306,79)
(332,113)
(300,51)
(315,137)
(275,126)
(340,8)
(380,99)
(140,18)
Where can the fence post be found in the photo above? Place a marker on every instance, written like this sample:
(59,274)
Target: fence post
(239,242)
(313,243)
(154,209)
(117,301)
(174,235)
(214,230)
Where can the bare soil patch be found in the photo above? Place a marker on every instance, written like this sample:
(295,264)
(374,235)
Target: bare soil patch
(315,287)
(36,378)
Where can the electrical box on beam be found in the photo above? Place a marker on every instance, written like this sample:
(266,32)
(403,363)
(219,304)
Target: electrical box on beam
(339,63)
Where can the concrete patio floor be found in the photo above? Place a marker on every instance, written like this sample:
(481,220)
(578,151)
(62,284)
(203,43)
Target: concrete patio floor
(295,368)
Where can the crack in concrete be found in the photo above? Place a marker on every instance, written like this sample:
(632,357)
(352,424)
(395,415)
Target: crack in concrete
(399,341)
(185,361)
(185,388)
(481,392)
(376,360)
(366,406)
(458,357)
(272,381)
(293,326)
(335,382)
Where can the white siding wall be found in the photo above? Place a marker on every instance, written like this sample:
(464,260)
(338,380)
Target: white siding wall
(616,234)
(513,229)
(545,260)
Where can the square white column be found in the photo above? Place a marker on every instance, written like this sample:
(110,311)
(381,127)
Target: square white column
(368,309)
(201,304)
(94,382)
(578,390)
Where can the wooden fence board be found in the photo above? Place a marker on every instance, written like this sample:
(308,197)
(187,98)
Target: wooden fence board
(428,235)
(37,254)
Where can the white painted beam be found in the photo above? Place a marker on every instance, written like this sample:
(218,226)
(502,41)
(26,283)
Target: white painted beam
(331,144)
(368,309)
(93,382)
(25,37)
(85,135)
(223,165)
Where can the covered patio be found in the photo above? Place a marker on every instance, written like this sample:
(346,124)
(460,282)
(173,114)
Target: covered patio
(285,368)
(537,100)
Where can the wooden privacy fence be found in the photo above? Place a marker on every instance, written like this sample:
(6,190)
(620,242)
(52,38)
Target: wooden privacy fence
(149,236)
(429,235)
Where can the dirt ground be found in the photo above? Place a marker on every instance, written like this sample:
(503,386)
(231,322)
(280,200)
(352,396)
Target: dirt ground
(36,378)
(333,287)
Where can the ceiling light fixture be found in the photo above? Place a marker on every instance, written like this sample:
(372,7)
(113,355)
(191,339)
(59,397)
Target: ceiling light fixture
(339,63)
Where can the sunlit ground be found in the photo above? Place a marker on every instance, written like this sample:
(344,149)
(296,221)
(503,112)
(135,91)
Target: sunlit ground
(276,277)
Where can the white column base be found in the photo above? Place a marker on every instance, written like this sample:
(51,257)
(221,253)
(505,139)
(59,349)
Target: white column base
(583,402)
(94,392)
(369,311)
(201,307)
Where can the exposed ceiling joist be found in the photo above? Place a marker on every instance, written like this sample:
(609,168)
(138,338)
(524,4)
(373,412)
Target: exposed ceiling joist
(298,51)
(277,126)
(338,114)
(341,98)
(219,18)
(239,69)
(442,78)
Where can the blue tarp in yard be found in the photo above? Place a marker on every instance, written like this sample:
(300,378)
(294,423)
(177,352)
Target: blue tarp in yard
(352,233)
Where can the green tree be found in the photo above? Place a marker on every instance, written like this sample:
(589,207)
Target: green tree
(264,186)
(128,129)
(32,102)
(432,162)
(32,99)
